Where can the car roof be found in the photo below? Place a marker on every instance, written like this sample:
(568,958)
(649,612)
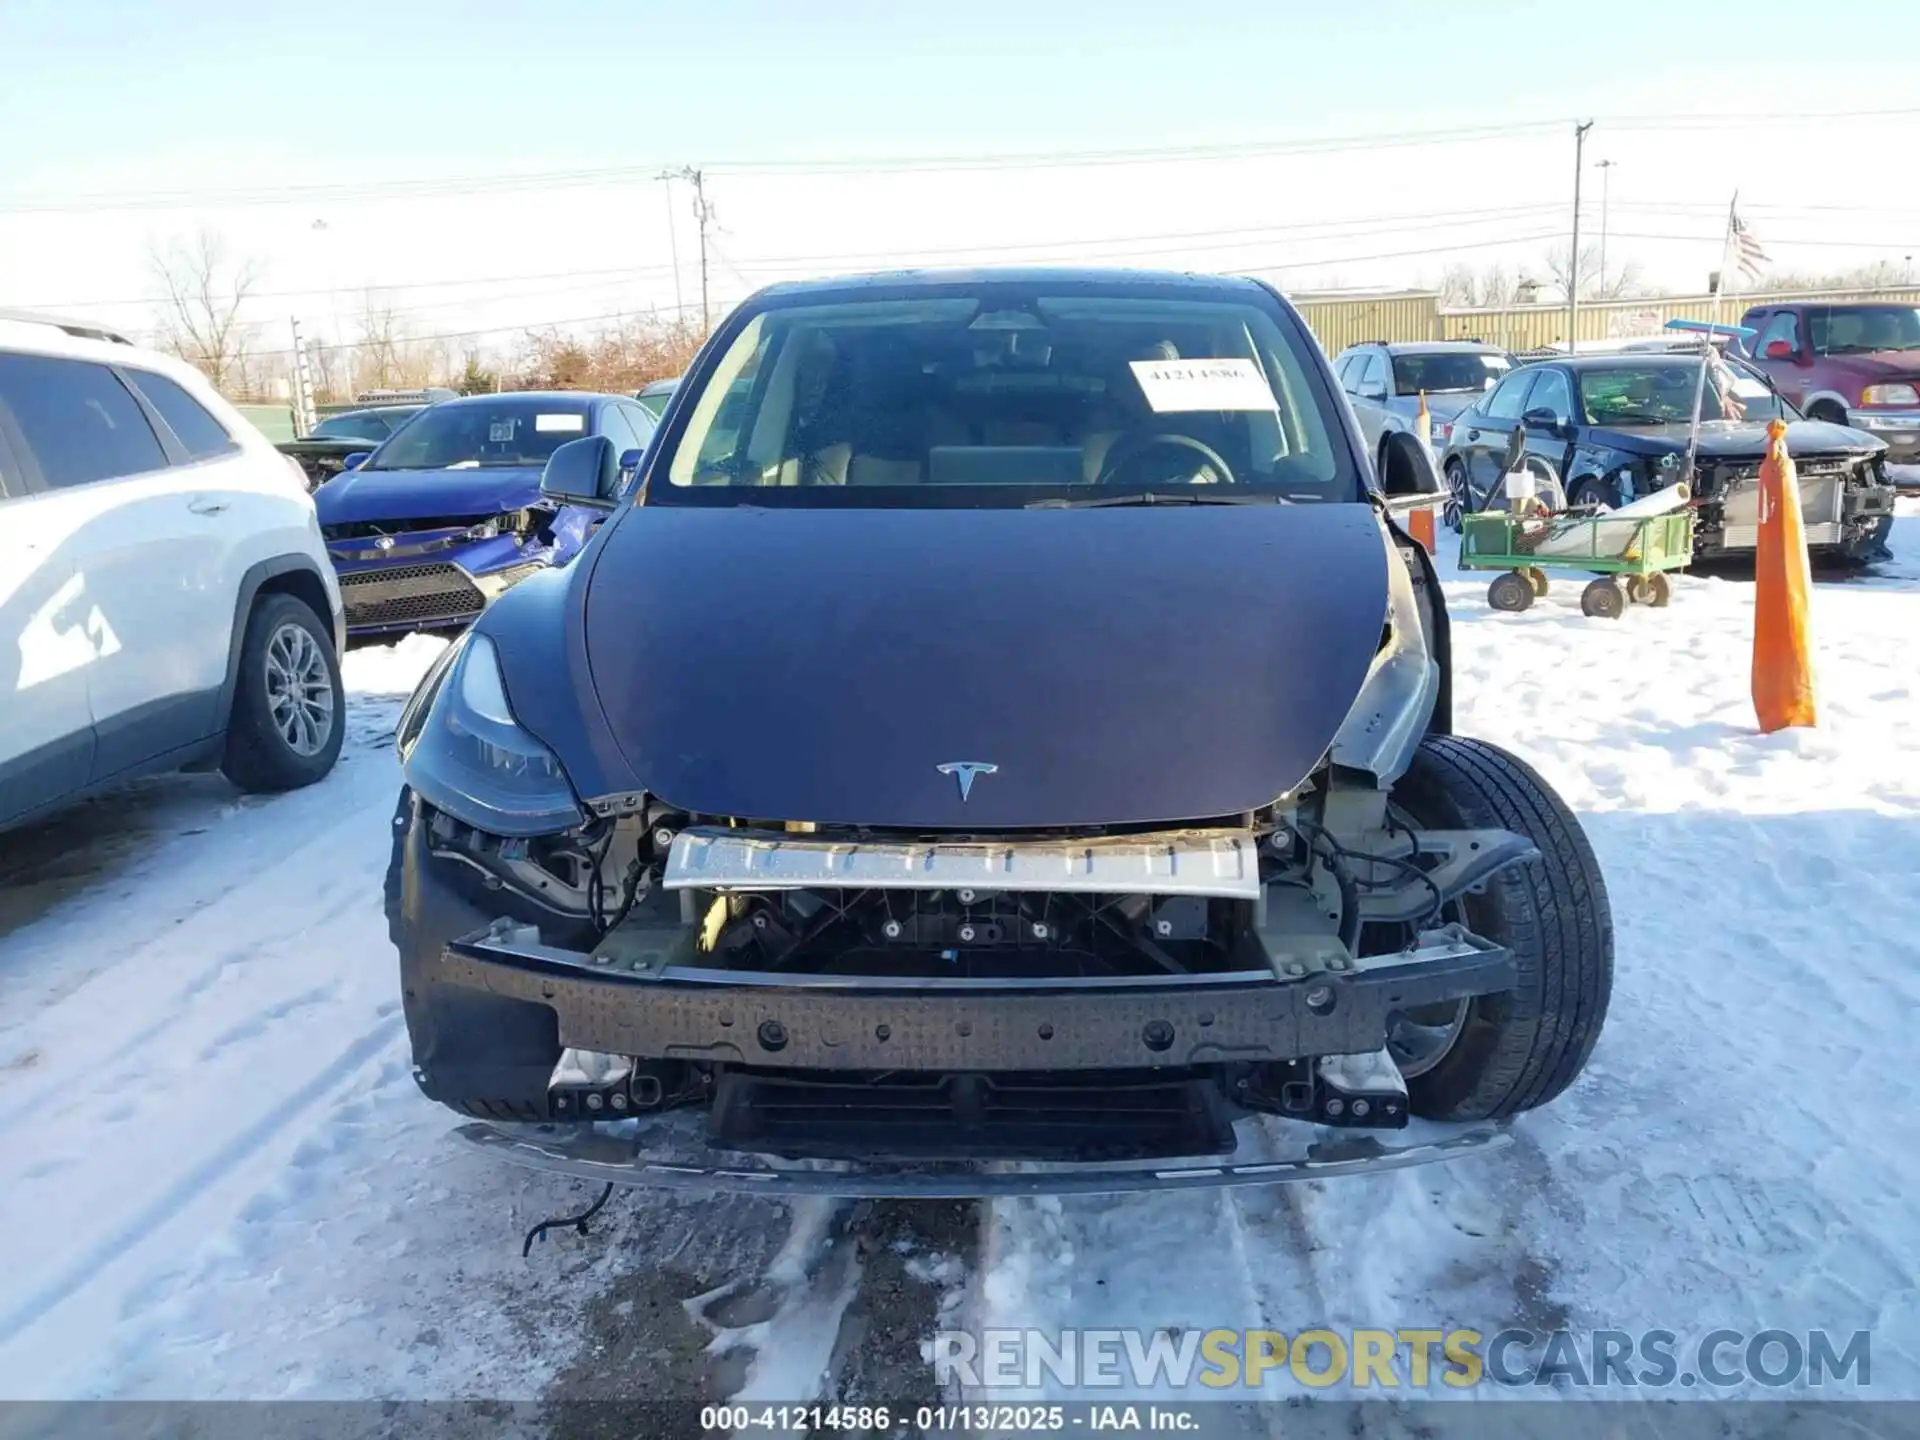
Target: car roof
(660,387)
(1082,277)
(1442,347)
(1658,359)
(30,332)
(545,397)
(374,410)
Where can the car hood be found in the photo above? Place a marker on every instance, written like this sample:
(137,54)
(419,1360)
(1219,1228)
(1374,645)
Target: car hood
(1881,364)
(409,494)
(1114,666)
(1724,439)
(1446,405)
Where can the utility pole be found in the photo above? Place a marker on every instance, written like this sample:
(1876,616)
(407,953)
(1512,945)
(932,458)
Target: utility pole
(703,213)
(1603,166)
(1573,260)
(305,417)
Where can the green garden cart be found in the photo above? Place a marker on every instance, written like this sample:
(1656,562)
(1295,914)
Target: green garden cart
(1631,555)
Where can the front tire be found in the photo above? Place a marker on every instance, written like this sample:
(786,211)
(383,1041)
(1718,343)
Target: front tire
(1516,1050)
(1458,498)
(289,712)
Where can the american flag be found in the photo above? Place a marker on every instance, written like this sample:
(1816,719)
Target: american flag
(1746,250)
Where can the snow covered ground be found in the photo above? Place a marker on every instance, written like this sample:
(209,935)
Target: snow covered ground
(220,1181)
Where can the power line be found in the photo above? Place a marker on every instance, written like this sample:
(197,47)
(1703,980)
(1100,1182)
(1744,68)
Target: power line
(1785,240)
(1363,225)
(493,182)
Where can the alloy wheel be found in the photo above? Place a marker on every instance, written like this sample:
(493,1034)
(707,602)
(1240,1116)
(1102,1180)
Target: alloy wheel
(299,690)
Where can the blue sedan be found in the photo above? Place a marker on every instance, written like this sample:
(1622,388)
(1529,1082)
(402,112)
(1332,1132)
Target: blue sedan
(447,514)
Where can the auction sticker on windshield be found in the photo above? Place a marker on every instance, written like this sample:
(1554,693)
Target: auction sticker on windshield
(1172,386)
(559,422)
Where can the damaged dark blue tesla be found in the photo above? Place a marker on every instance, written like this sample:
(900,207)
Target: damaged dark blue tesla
(1004,723)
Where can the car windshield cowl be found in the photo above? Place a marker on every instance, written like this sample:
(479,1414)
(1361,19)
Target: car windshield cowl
(998,394)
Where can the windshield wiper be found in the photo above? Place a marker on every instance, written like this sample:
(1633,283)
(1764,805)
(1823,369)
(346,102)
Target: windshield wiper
(1157,497)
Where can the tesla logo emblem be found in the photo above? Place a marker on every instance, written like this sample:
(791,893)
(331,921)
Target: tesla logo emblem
(964,772)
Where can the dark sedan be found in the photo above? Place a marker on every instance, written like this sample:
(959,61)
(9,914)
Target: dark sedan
(1614,427)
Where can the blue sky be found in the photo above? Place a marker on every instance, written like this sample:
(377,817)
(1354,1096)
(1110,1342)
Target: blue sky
(119,100)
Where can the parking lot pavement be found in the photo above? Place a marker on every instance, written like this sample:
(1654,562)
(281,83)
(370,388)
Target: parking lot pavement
(228,1185)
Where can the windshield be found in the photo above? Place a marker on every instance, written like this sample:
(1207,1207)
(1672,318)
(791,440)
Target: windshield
(507,430)
(1662,394)
(998,398)
(653,401)
(1861,329)
(1440,373)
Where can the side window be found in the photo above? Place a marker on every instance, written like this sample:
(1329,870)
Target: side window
(1550,392)
(1347,369)
(617,428)
(1784,326)
(79,422)
(203,436)
(1373,376)
(643,423)
(1506,402)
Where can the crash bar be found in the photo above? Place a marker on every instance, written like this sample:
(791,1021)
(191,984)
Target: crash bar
(1222,863)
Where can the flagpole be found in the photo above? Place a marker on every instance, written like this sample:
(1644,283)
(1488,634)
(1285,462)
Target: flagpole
(1713,320)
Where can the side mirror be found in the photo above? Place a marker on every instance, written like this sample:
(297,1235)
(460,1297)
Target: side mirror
(1543,420)
(583,472)
(1376,393)
(356,459)
(1408,476)
(1779,350)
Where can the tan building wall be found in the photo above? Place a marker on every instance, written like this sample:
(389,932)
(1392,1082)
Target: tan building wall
(1350,320)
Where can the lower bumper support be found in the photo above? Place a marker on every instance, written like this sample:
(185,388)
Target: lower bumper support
(671,1153)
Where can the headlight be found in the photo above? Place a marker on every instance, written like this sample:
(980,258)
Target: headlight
(468,756)
(1890,395)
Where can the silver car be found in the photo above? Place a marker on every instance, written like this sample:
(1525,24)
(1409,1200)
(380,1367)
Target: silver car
(1384,381)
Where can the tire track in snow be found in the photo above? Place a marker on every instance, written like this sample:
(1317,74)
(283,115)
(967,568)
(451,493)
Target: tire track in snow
(172,1000)
(141,1228)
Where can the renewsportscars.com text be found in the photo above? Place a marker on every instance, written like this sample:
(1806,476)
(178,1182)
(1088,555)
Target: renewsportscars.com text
(1414,1359)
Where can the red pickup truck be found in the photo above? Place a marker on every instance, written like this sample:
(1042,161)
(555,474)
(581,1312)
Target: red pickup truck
(1853,364)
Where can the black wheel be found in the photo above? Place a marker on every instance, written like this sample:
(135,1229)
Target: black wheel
(1511,591)
(1636,586)
(1537,578)
(1659,591)
(1604,599)
(289,708)
(1828,411)
(1458,500)
(1497,1055)
(1591,491)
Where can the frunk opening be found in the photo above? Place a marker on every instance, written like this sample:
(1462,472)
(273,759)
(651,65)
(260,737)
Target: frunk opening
(1105,1115)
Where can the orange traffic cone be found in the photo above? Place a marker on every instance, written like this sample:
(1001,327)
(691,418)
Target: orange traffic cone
(1420,522)
(1782,642)
(1420,526)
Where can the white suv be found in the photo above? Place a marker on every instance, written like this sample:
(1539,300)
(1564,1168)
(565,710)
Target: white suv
(165,599)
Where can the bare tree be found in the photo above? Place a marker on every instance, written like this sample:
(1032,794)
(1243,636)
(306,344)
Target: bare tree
(1489,288)
(200,316)
(621,357)
(1618,284)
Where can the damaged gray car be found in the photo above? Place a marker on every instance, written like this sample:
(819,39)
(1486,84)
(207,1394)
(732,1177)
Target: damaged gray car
(1002,742)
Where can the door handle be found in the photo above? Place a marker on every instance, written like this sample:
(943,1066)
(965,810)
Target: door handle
(206,505)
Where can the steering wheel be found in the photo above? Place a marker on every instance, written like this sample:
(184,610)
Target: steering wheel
(1130,448)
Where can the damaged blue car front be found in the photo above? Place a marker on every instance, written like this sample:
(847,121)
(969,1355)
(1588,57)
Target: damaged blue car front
(447,514)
